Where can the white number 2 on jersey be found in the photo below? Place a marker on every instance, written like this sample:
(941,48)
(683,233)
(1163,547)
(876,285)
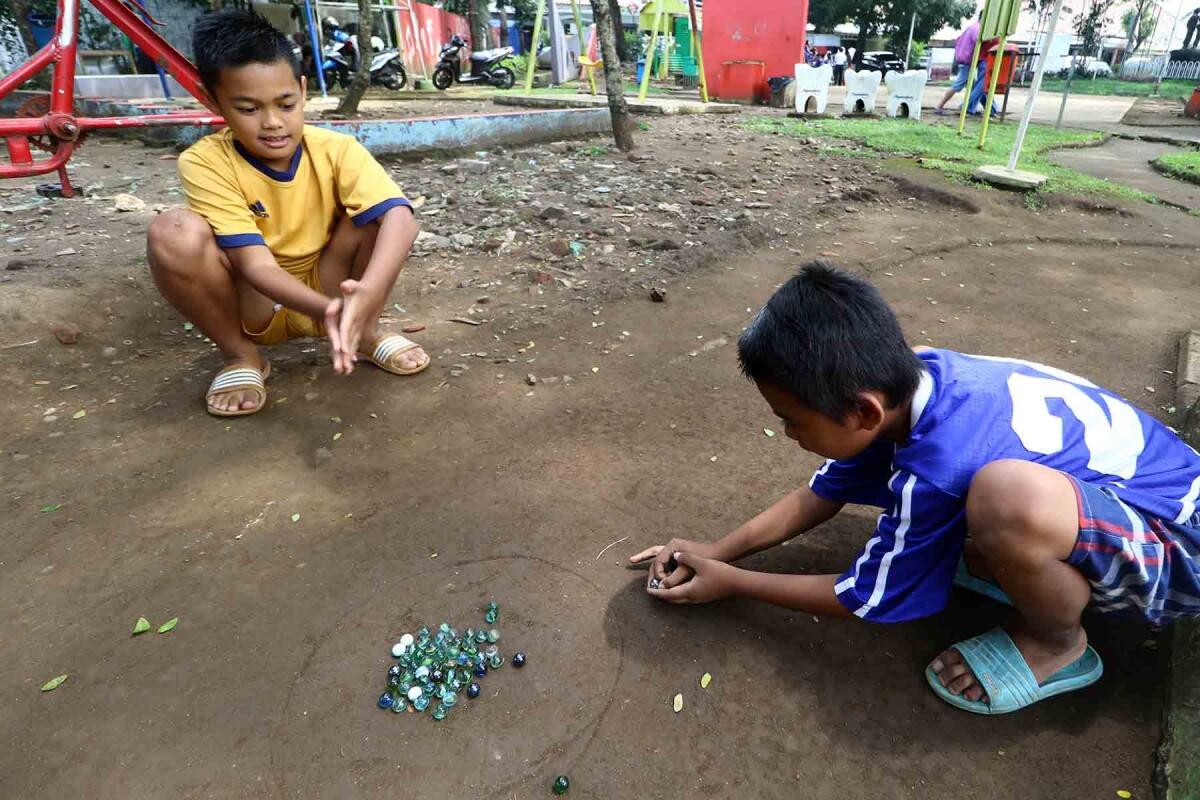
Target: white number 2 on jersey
(1113,446)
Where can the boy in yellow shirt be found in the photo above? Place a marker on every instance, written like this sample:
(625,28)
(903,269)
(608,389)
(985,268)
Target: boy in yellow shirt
(289,230)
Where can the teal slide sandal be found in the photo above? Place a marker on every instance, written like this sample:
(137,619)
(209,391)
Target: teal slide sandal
(963,579)
(1004,675)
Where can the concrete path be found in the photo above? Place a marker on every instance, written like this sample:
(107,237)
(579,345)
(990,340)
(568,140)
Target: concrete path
(651,105)
(1128,162)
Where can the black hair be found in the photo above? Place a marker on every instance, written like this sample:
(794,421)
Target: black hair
(825,336)
(233,38)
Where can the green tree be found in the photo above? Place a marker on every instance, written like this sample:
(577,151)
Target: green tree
(890,18)
(1089,25)
(1142,16)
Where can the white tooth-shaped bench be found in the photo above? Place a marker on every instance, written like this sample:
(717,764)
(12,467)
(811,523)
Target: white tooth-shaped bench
(861,90)
(812,88)
(904,92)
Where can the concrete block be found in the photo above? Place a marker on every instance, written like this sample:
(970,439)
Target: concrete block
(1187,371)
(904,92)
(862,88)
(1178,773)
(812,88)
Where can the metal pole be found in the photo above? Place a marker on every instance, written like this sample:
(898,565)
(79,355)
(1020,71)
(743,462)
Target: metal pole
(1062,107)
(316,46)
(699,50)
(645,87)
(533,46)
(997,67)
(1167,53)
(1039,70)
(580,42)
(908,53)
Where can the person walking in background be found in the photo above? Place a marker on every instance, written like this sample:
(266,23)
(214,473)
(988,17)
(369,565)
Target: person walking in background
(839,66)
(1192,23)
(964,48)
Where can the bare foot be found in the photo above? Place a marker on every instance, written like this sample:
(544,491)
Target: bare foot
(239,399)
(1044,659)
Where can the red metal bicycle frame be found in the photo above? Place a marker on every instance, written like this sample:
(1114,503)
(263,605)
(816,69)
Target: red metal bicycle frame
(61,123)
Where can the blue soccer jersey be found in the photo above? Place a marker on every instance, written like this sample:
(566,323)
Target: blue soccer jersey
(969,411)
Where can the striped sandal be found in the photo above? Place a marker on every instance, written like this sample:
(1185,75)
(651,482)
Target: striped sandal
(387,352)
(238,377)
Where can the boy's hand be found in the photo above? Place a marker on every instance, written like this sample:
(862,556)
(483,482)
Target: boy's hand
(665,569)
(333,322)
(359,306)
(710,580)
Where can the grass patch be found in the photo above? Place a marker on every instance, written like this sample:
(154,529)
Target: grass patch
(1113,86)
(1185,166)
(939,147)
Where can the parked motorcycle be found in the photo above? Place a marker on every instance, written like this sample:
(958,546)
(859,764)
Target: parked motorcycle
(339,60)
(485,66)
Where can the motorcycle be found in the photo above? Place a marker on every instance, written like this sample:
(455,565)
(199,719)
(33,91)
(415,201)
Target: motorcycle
(340,60)
(485,66)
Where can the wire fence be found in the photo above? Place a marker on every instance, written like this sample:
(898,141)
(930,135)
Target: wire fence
(1153,67)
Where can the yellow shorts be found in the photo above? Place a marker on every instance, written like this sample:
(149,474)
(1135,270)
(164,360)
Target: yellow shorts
(287,323)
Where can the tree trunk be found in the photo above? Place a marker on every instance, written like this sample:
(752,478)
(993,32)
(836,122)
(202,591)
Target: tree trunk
(503,24)
(615,88)
(477,19)
(614,10)
(20,13)
(362,76)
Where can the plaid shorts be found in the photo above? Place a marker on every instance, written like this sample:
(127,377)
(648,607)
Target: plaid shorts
(1138,565)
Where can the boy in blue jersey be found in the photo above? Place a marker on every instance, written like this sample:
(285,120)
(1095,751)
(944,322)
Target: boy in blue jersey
(1025,482)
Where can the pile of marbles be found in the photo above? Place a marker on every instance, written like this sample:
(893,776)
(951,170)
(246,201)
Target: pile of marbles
(433,667)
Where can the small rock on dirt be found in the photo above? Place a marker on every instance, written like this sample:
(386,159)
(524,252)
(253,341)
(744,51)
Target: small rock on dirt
(531,379)
(66,333)
(128,202)
(415,327)
(658,294)
(462,240)
(552,212)
(559,247)
(473,166)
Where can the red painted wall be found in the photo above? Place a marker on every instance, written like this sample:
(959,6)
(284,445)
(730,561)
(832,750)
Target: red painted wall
(770,31)
(434,29)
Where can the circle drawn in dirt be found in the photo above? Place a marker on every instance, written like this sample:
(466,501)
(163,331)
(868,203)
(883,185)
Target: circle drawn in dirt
(332,738)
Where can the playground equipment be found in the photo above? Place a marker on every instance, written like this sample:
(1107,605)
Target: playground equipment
(812,88)
(861,91)
(1009,175)
(51,124)
(683,32)
(556,42)
(904,92)
(999,21)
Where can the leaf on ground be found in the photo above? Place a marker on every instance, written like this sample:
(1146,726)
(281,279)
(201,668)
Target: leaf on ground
(1124,794)
(337,436)
(141,626)
(705,680)
(768,432)
(49,509)
(53,683)
(80,414)
(677,703)
(295,517)
(168,625)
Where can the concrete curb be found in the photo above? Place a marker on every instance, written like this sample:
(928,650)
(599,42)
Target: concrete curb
(1163,169)
(1177,776)
(653,105)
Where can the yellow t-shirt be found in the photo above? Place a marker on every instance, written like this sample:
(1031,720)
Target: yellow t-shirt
(293,213)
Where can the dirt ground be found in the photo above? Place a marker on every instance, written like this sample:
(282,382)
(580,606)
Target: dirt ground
(467,484)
